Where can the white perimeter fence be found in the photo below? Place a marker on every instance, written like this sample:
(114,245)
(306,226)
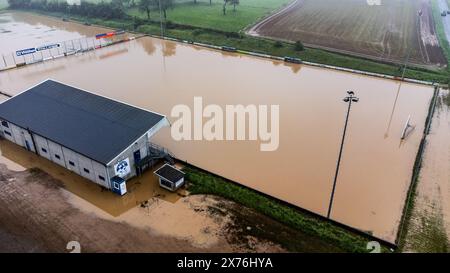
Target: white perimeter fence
(46,52)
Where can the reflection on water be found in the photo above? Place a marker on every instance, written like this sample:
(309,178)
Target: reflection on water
(140,189)
(375,171)
(169,49)
(113,53)
(294,68)
(48,69)
(148,46)
(386,135)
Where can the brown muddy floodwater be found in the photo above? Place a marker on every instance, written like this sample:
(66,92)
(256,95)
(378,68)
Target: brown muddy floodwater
(376,167)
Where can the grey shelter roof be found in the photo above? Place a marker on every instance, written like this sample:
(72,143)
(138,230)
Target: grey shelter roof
(92,125)
(170,173)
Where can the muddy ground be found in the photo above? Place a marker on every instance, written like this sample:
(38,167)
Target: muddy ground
(39,215)
(391,32)
(429,227)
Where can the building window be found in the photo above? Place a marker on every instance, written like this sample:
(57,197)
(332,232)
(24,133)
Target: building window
(5,124)
(101,178)
(44,150)
(86,170)
(71,163)
(57,156)
(8,133)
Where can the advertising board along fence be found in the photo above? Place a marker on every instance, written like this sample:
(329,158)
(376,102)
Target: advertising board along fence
(42,53)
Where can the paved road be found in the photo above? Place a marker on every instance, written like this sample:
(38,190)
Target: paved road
(443,5)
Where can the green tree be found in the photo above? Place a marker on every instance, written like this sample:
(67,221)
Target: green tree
(164,5)
(234,3)
(146,6)
(278,44)
(231,2)
(118,4)
(19,3)
(224,8)
(298,46)
(126,3)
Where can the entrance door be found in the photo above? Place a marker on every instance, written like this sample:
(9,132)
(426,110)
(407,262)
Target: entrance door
(137,158)
(25,142)
(27,145)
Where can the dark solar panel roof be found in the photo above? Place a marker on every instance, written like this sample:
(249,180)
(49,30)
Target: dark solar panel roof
(95,126)
(170,173)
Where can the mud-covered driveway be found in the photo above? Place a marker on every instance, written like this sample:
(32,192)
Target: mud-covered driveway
(43,209)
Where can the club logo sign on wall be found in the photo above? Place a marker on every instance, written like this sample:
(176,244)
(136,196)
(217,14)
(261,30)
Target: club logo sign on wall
(123,167)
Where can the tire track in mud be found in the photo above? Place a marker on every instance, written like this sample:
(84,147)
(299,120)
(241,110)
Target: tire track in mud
(296,4)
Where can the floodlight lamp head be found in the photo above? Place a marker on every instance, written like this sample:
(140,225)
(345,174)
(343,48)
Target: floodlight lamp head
(346,99)
(350,93)
(355,99)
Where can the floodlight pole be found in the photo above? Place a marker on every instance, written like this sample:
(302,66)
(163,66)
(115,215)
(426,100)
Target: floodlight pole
(350,98)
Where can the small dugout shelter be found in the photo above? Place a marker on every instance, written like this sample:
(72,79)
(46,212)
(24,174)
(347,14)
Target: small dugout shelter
(170,177)
(94,136)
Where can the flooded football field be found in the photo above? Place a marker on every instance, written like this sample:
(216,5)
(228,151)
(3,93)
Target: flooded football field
(376,165)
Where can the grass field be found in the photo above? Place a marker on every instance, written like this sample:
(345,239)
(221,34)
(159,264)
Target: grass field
(204,15)
(391,31)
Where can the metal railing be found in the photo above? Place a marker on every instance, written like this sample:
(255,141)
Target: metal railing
(155,154)
(159,149)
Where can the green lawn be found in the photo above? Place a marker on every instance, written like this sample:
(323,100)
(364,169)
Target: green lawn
(204,15)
